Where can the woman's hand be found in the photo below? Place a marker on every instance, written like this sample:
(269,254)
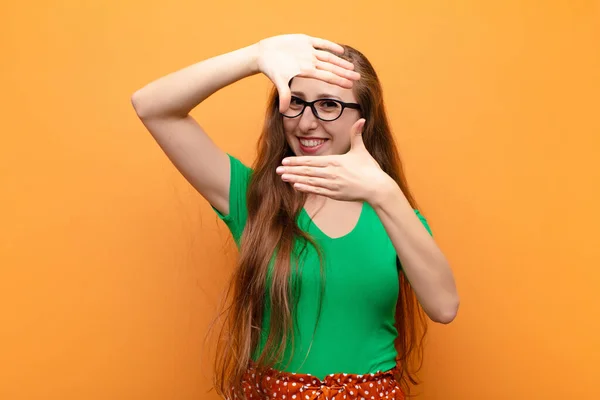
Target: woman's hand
(354,176)
(283,57)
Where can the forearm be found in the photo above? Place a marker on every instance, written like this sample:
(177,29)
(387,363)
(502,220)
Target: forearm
(422,261)
(176,94)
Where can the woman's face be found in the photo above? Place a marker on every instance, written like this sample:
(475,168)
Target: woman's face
(309,136)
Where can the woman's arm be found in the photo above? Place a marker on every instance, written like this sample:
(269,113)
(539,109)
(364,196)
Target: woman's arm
(422,261)
(356,176)
(164,105)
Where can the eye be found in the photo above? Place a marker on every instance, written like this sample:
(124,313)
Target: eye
(296,102)
(329,104)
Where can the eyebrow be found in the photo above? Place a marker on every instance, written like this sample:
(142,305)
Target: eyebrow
(319,96)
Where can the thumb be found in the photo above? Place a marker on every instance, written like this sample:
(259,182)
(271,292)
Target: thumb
(356,141)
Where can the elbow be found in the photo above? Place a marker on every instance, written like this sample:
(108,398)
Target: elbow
(447,312)
(138,104)
(147,107)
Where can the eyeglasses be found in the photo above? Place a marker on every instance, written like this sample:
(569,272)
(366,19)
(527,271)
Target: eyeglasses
(323,109)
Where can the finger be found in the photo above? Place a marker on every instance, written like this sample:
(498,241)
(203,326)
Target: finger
(320,161)
(309,180)
(328,77)
(285,95)
(315,190)
(339,71)
(333,59)
(319,43)
(305,171)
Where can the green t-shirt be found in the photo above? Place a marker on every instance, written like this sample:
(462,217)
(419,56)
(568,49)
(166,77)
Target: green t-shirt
(355,332)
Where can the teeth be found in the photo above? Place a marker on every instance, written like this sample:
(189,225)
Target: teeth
(312,142)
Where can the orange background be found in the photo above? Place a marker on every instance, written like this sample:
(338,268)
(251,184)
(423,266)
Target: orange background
(111,265)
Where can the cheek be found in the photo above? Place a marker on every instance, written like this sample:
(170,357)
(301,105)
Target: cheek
(340,133)
(289,125)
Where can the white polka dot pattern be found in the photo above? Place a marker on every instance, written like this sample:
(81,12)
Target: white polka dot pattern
(296,386)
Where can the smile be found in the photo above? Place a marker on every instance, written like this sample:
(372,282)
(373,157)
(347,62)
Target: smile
(312,142)
(311,145)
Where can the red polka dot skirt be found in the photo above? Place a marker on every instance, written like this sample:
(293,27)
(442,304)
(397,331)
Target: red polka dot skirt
(276,385)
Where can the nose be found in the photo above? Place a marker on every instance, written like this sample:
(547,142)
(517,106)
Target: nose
(308,120)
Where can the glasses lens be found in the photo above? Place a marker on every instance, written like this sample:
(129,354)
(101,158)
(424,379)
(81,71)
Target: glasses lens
(296,106)
(328,109)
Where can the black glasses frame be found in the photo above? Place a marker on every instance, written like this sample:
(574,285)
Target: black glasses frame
(311,104)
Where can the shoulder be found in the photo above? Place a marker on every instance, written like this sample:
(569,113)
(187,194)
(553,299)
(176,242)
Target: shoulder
(240,173)
(237,164)
(423,221)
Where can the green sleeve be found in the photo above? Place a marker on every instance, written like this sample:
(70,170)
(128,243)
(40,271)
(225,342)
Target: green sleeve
(424,222)
(239,180)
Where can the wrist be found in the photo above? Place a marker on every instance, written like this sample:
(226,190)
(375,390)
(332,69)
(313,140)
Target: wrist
(252,56)
(385,193)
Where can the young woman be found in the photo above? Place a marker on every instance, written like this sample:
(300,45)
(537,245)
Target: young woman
(336,263)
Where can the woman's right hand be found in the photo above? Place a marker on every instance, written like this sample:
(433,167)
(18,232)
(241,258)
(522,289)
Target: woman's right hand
(283,57)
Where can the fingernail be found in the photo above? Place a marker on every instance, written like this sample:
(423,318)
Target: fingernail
(279,170)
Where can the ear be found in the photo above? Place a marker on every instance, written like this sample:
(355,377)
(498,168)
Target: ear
(356,141)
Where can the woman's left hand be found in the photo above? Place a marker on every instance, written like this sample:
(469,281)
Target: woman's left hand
(354,176)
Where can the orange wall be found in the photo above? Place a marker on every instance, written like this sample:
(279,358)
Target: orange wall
(111,265)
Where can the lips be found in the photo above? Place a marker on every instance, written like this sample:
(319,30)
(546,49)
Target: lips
(311,142)
(311,145)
